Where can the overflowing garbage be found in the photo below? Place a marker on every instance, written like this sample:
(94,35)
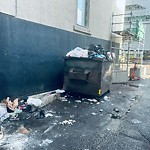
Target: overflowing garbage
(93,51)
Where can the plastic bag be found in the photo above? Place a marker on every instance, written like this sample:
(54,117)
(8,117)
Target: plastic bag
(78,52)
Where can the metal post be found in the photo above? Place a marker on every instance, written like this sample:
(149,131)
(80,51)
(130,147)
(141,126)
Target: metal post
(129,42)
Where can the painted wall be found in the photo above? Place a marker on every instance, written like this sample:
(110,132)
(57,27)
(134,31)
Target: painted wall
(32,55)
(8,7)
(34,38)
(54,13)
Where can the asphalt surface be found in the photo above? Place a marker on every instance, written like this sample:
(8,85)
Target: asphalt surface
(119,120)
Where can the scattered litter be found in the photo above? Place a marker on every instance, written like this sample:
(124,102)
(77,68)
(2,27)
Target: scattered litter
(23,130)
(17,111)
(14,116)
(42,114)
(98,103)
(112,104)
(67,122)
(141,85)
(48,115)
(92,100)
(50,128)
(46,142)
(102,101)
(28,117)
(108,129)
(77,101)
(60,91)
(106,98)
(133,99)
(34,101)
(101,110)
(136,121)
(22,107)
(115,116)
(75,106)
(119,92)
(116,110)
(71,116)
(94,114)
(22,101)
(63,99)
(3,112)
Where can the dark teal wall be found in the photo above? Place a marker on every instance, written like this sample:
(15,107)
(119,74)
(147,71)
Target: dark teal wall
(31,55)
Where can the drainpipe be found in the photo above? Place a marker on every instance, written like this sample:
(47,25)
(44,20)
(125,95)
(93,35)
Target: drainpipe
(16,5)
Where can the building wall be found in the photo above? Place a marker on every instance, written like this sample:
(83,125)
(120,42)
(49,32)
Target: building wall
(35,36)
(53,13)
(147,35)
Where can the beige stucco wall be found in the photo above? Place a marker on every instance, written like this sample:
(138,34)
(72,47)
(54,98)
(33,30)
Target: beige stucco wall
(62,14)
(7,7)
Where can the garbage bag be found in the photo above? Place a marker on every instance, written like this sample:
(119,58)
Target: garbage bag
(34,101)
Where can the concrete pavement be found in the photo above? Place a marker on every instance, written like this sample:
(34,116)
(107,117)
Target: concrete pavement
(119,120)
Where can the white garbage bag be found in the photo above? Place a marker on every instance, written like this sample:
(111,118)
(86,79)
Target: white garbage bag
(78,52)
(34,101)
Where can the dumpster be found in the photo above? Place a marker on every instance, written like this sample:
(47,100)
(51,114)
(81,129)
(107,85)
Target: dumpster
(89,76)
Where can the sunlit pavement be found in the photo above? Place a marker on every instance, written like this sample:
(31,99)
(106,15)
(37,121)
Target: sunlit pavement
(119,120)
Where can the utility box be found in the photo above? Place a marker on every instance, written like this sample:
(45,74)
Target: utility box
(89,76)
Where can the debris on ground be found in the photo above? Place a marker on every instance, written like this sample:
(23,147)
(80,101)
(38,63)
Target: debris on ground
(23,130)
(133,99)
(106,98)
(101,110)
(94,114)
(41,114)
(48,115)
(135,121)
(67,122)
(34,101)
(119,92)
(115,116)
(60,91)
(92,100)
(116,110)
(11,105)
(46,142)
(14,116)
(63,99)
(3,112)
(78,101)
(71,116)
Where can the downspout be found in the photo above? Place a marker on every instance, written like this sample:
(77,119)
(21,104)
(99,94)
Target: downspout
(16,5)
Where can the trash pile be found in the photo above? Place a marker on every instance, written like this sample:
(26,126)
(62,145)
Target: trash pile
(11,108)
(93,51)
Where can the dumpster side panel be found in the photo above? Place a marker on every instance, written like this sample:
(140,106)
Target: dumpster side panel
(82,76)
(106,76)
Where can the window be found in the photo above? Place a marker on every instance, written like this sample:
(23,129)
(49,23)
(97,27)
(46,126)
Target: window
(83,13)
